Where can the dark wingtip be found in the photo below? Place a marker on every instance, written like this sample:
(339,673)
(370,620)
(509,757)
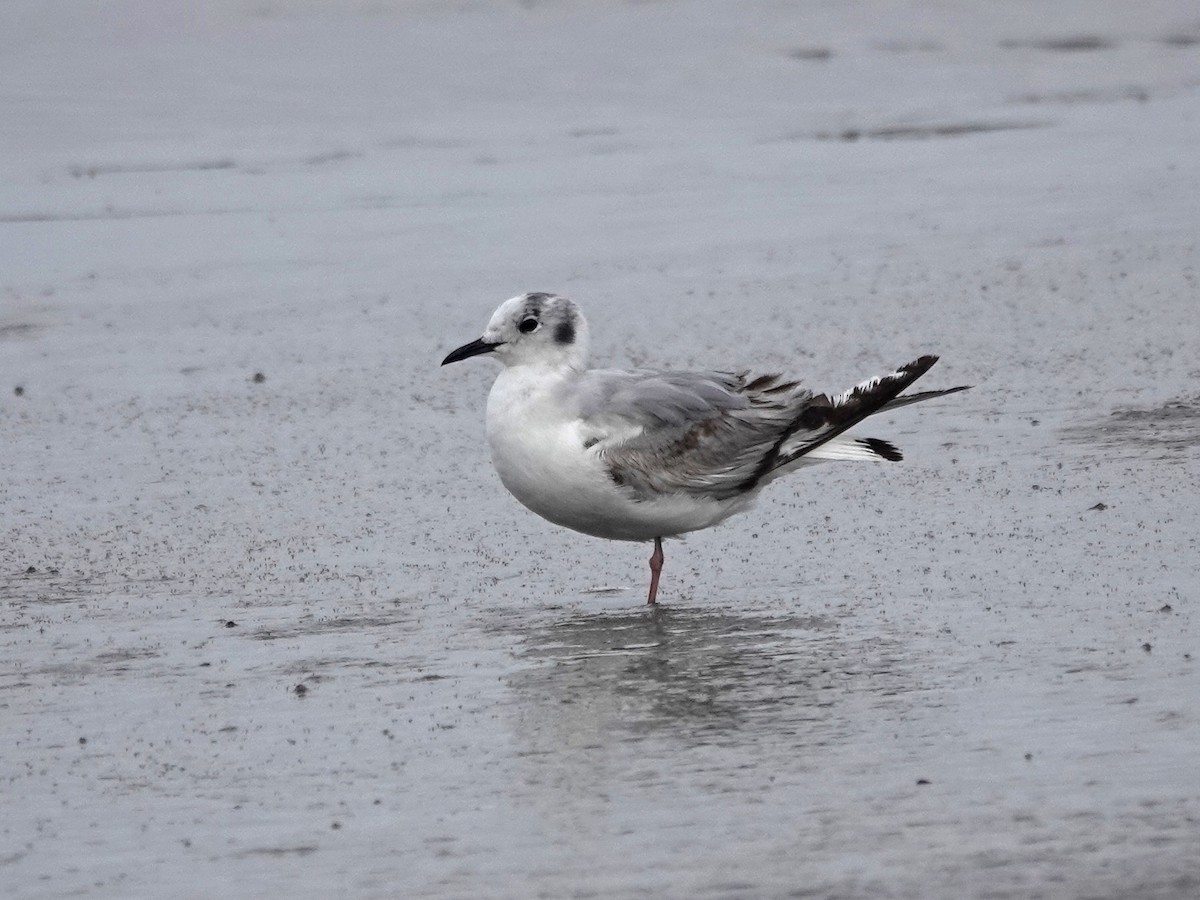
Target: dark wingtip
(920,366)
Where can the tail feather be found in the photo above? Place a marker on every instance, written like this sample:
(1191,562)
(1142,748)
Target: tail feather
(883,449)
(845,448)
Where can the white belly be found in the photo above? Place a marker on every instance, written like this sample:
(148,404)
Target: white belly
(538,451)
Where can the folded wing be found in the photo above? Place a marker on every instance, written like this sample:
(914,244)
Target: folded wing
(694,432)
(720,434)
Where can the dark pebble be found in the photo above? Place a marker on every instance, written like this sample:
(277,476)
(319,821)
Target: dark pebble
(229,623)
(259,378)
(300,690)
(19,391)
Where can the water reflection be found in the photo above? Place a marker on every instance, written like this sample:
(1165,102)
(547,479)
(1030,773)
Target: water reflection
(623,721)
(696,674)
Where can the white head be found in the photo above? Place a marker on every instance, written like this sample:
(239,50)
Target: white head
(532,329)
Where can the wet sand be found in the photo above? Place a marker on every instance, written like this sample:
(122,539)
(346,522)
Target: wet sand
(271,626)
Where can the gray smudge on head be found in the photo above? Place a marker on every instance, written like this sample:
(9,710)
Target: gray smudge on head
(535,303)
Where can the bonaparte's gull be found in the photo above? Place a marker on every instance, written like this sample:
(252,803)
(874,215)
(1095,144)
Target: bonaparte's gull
(640,455)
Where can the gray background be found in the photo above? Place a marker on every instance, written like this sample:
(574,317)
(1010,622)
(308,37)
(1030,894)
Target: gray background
(336,195)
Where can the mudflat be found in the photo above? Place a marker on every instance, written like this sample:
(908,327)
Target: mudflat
(269,624)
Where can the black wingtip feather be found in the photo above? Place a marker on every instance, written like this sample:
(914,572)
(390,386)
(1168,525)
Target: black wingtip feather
(838,414)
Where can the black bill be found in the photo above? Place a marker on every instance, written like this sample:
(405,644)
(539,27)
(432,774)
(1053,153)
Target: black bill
(467,350)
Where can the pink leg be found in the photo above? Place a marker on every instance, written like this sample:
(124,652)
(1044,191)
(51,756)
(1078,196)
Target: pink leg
(656,561)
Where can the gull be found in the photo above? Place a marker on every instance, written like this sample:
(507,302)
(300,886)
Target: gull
(643,455)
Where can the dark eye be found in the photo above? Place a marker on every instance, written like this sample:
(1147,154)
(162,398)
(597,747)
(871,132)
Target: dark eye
(528,325)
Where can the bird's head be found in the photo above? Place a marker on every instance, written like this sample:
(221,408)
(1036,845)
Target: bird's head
(532,329)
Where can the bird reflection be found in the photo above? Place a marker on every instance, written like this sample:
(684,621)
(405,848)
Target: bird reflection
(616,715)
(689,671)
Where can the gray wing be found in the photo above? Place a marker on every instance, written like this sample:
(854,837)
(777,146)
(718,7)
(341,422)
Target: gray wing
(719,434)
(705,433)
